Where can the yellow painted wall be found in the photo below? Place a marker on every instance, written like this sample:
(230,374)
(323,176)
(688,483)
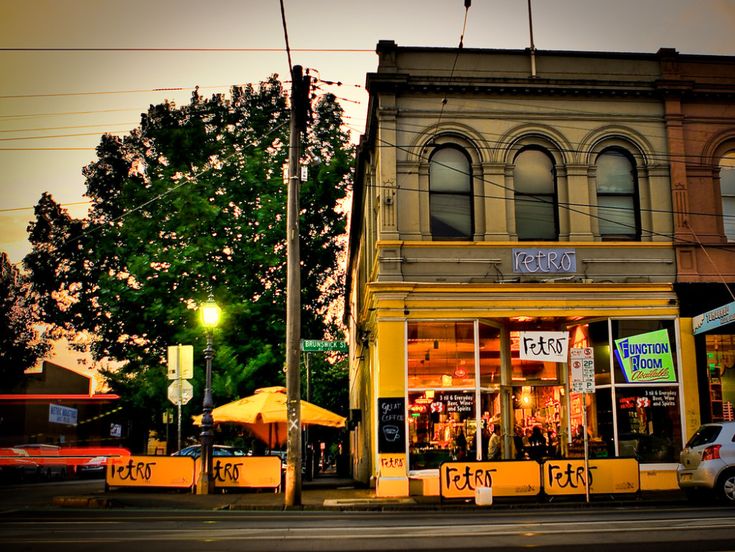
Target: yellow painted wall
(690,389)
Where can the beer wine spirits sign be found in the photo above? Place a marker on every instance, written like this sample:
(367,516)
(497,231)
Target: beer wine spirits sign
(646,357)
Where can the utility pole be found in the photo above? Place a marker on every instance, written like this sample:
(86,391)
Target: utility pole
(299,102)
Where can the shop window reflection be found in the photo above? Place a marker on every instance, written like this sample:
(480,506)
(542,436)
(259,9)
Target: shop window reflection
(490,364)
(441,354)
(649,427)
(441,427)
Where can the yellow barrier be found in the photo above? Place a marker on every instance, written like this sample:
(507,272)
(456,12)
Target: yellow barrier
(507,478)
(150,471)
(247,471)
(606,476)
(527,478)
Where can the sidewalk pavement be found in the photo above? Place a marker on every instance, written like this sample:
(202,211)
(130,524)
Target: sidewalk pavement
(336,494)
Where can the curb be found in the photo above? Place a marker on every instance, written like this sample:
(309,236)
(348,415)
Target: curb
(82,502)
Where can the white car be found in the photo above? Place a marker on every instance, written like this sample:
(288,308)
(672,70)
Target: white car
(707,463)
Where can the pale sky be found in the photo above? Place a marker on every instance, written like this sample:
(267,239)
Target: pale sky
(56,101)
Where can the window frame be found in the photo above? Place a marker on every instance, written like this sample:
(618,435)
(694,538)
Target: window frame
(469,195)
(636,233)
(554,194)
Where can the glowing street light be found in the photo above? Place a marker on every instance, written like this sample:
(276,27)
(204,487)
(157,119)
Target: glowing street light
(210,314)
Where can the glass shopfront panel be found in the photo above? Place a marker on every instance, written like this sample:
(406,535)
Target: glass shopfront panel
(490,358)
(649,427)
(441,427)
(441,354)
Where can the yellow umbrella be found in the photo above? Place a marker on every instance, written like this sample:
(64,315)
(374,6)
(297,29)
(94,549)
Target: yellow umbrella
(265,415)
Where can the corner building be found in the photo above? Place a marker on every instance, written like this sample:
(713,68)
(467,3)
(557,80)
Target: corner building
(494,211)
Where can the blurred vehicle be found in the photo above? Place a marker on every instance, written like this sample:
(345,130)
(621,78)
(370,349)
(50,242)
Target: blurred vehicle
(94,467)
(282,454)
(47,457)
(15,465)
(707,463)
(195,451)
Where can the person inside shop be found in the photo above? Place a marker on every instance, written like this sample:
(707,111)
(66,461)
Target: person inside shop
(495,445)
(536,444)
(578,436)
(460,445)
(486,434)
(518,445)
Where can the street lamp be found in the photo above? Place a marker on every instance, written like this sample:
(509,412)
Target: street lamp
(210,313)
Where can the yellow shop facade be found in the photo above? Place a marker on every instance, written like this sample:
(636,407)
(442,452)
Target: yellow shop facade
(501,220)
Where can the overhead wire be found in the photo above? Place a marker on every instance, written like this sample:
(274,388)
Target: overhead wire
(584,211)
(467,4)
(671,212)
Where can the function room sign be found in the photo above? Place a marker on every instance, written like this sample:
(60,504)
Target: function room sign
(392,425)
(646,357)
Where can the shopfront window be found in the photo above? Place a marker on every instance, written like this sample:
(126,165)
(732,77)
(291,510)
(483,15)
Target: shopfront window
(537,417)
(441,354)
(644,351)
(441,427)
(721,376)
(490,363)
(648,423)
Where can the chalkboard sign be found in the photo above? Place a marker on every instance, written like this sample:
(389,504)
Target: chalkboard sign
(392,425)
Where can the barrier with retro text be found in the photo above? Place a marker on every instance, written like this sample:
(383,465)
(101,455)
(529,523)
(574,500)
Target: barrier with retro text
(183,471)
(256,472)
(606,476)
(507,478)
(150,471)
(510,478)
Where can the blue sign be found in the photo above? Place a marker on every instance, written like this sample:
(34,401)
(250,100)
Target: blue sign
(714,318)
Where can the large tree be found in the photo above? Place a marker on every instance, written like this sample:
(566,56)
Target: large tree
(21,342)
(193,202)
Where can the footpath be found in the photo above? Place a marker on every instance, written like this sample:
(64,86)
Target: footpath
(333,493)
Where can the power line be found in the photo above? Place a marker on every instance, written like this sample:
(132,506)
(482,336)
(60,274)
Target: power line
(214,50)
(13,209)
(571,207)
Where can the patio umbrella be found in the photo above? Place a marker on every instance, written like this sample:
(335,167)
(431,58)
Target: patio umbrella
(265,415)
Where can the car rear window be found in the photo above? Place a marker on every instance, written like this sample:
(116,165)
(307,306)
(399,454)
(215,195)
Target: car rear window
(704,436)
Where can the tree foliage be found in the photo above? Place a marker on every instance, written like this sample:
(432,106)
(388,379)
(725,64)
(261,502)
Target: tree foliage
(21,342)
(193,202)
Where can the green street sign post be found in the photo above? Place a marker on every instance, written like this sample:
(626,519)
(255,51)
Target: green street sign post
(320,346)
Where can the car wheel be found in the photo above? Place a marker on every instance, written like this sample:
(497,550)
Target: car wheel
(726,487)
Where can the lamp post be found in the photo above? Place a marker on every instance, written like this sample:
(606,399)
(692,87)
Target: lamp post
(210,313)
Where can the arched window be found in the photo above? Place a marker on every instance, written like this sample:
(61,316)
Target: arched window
(727,192)
(617,196)
(535,196)
(450,194)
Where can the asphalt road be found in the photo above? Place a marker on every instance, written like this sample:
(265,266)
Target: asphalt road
(29,523)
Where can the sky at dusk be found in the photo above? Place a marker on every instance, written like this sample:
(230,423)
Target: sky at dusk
(72,70)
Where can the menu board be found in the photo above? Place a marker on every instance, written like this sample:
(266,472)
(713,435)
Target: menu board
(392,424)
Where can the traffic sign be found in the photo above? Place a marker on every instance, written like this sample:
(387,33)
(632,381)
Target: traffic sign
(583,370)
(180,362)
(318,345)
(180,391)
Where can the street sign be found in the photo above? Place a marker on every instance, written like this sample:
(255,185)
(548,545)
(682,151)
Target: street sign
(180,391)
(583,370)
(180,362)
(317,345)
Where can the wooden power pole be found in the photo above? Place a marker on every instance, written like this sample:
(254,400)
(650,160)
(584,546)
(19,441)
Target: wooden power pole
(299,102)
